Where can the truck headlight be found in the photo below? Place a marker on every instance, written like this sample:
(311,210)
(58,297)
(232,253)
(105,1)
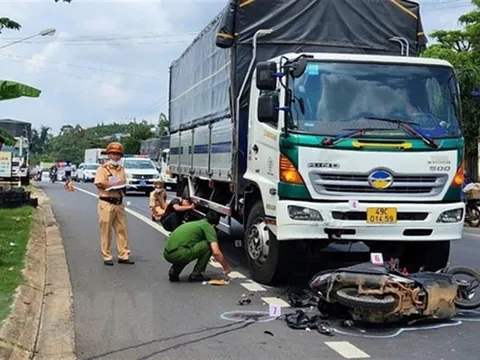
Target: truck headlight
(451,216)
(129,176)
(302,213)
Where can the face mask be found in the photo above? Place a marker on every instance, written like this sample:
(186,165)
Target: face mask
(114,163)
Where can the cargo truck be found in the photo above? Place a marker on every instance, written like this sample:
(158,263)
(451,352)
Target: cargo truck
(22,132)
(95,156)
(316,121)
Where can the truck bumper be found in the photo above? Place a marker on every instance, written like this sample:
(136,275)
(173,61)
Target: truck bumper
(416,222)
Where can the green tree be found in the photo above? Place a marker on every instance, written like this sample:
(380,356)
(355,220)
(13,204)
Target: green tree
(40,140)
(462,49)
(137,132)
(6,138)
(7,23)
(163,125)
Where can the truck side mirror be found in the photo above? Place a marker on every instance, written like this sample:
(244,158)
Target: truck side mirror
(266,79)
(298,67)
(267,111)
(475,93)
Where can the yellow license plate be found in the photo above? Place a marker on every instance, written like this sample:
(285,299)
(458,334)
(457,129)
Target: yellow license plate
(381,215)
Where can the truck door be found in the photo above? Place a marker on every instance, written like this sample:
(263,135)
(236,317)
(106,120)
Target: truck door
(263,150)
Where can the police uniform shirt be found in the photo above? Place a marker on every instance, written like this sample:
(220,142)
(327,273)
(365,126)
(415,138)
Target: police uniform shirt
(105,173)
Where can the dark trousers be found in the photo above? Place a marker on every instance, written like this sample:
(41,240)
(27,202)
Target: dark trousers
(171,221)
(174,220)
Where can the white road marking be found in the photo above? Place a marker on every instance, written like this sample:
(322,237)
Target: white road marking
(134,213)
(236,275)
(215,263)
(160,228)
(347,350)
(276,301)
(252,286)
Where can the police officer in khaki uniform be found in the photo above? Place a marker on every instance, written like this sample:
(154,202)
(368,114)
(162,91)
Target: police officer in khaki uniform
(111,209)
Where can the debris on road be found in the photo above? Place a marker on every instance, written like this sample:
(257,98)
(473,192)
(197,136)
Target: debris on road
(301,321)
(216,282)
(302,299)
(244,302)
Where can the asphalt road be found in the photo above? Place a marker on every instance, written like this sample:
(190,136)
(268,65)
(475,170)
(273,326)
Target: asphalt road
(134,312)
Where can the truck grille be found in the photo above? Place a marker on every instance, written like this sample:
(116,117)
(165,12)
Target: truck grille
(347,183)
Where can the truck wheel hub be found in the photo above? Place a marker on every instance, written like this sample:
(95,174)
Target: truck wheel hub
(258,241)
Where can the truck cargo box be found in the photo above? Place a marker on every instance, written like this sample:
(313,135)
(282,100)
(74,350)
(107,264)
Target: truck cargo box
(205,80)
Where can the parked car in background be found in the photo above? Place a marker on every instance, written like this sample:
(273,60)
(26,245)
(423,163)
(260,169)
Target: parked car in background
(87,172)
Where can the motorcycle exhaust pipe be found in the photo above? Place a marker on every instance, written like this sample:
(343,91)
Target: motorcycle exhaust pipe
(366,280)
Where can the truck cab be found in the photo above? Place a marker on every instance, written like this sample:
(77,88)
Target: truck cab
(20,160)
(165,171)
(353,148)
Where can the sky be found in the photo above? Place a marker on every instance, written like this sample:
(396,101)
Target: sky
(109,60)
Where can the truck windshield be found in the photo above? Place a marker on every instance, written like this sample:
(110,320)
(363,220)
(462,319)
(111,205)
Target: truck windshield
(14,150)
(138,164)
(91,167)
(339,96)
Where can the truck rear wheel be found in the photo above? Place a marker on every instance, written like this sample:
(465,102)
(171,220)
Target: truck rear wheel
(265,255)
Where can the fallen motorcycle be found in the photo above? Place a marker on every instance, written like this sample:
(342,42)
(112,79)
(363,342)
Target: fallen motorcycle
(383,294)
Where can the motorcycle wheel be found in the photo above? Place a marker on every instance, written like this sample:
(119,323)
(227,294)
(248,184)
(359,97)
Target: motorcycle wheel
(461,302)
(350,298)
(473,217)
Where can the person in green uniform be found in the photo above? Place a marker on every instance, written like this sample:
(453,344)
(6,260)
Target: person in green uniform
(195,240)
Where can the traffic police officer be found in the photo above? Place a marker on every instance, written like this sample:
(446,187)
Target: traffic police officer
(111,209)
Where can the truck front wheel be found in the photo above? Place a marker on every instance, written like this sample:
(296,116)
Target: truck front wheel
(265,255)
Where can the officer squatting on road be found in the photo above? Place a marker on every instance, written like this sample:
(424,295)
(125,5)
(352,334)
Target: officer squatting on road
(111,209)
(158,201)
(195,240)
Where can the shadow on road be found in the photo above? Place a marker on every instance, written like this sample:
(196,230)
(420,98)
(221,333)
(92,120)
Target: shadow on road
(224,330)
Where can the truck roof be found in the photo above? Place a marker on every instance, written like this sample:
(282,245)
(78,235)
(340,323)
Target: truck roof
(373,58)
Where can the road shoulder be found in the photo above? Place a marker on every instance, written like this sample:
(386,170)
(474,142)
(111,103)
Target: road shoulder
(40,324)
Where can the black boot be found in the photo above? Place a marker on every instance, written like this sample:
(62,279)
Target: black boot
(126,261)
(174,274)
(198,278)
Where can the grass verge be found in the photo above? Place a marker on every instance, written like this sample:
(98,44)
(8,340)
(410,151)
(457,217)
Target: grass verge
(15,226)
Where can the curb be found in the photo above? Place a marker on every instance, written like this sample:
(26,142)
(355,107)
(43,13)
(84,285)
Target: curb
(40,325)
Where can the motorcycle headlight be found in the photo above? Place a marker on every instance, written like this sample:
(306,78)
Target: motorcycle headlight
(450,216)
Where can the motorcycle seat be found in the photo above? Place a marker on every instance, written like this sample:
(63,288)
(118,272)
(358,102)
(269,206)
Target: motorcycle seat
(366,268)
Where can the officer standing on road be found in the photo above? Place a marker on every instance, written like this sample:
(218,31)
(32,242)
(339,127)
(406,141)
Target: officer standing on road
(111,209)
(195,240)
